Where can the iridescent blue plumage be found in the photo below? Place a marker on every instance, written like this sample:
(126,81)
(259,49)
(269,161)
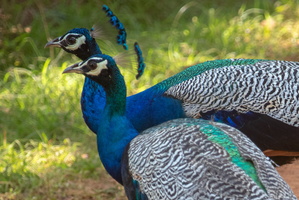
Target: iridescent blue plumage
(110,145)
(178,159)
(161,102)
(233,118)
(143,109)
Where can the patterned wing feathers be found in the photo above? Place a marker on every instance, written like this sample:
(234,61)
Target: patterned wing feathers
(178,161)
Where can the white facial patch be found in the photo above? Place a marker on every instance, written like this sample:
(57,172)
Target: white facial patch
(79,41)
(100,66)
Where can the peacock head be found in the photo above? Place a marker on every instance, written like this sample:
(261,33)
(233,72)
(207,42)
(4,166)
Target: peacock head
(100,68)
(78,41)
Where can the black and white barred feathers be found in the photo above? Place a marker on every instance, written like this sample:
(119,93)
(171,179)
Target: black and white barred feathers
(266,87)
(185,159)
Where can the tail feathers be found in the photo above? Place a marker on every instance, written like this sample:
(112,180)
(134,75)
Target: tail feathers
(122,34)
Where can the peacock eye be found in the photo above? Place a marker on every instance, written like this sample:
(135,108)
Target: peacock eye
(92,65)
(70,40)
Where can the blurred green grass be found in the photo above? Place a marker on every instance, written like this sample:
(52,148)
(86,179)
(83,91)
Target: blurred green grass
(45,146)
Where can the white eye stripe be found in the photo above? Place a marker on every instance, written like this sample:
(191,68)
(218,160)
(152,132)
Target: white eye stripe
(79,41)
(97,60)
(70,34)
(102,64)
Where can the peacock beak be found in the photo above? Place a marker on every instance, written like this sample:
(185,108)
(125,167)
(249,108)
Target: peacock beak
(54,43)
(73,69)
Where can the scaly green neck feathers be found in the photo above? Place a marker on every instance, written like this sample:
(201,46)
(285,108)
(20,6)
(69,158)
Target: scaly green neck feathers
(116,94)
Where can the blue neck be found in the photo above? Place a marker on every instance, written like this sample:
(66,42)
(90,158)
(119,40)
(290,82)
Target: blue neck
(93,101)
(114,134)
(115,131)
(93,97)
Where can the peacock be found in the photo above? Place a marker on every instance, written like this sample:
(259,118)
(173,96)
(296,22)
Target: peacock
(81,42)
(258,97)
(183,158)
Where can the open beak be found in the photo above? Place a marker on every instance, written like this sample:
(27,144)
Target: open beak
(53,43)
(73,69)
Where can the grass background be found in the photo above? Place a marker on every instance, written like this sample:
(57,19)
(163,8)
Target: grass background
(46,150)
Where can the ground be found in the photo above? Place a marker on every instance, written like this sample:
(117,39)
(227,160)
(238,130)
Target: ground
(105,188)
(109,188)
(290,174)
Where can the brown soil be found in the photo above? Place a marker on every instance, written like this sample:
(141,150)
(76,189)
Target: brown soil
(90,189)
(290,174)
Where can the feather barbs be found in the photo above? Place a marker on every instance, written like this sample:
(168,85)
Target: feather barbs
(123,59)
